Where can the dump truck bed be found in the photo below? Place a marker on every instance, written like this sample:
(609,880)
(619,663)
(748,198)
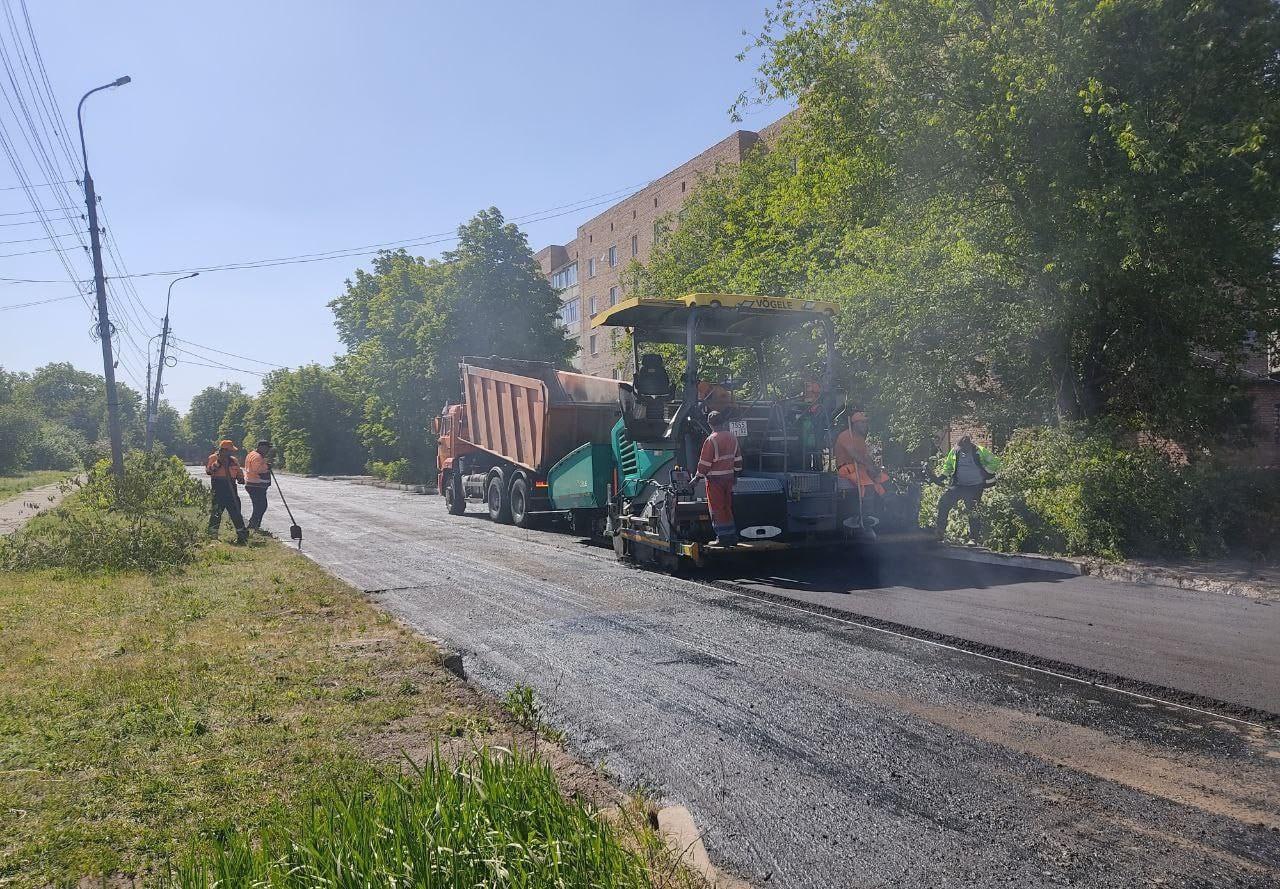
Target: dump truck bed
(531,414)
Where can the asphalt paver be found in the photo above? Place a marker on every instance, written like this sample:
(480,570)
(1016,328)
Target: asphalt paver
(814,751)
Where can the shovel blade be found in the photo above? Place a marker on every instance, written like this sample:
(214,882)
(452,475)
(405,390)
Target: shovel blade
(295,532)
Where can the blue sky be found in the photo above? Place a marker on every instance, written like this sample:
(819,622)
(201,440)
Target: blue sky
(258,130)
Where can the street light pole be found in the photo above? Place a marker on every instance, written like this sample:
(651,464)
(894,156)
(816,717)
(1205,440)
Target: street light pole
(100,285)
(153,407)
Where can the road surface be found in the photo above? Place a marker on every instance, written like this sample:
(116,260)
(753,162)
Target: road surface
(812,750)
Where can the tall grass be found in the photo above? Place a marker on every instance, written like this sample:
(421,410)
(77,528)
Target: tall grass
(495,819)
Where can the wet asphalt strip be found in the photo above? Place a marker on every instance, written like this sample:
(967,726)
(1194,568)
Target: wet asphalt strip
(816,752)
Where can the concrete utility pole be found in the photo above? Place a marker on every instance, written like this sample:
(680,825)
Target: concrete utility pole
(100,284)
(153,406)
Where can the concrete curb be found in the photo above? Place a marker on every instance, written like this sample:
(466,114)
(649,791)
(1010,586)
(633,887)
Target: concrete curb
(1119,571)
(677,827)
(371,482)
(1032,561)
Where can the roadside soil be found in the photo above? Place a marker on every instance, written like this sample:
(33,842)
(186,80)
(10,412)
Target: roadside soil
(142,714)
(21,507)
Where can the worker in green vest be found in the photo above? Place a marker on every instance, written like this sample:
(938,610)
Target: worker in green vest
(967,471)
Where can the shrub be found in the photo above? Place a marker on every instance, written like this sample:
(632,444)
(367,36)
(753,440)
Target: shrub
(1072,491)
(394,471)
(151,522)
(493,819)
(297,457)
(57,447)
(19,431)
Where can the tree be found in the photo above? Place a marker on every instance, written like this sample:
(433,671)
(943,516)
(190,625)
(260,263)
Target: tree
(204,417)
(407,323)
(1104,178)
(313,419)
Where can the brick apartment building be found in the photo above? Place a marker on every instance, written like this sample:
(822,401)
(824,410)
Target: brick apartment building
(588,270)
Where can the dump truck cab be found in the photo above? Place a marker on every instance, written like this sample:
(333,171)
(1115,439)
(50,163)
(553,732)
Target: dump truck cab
(768,364)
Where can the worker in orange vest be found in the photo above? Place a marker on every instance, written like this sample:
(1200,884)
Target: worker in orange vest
(224,474)
(853,457)
(719,463)
(257,479)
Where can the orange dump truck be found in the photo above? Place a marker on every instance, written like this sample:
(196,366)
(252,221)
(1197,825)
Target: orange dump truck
(522,430)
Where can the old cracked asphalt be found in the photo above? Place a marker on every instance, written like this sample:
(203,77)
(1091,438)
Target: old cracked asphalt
(812,751)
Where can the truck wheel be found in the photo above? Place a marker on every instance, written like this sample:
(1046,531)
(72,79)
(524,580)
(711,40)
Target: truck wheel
(519,502)
(454,500)
(499,503)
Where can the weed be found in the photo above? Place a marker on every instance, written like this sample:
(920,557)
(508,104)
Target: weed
(522,707)
(496,818)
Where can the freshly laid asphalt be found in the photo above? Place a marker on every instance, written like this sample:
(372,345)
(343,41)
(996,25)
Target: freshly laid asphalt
(816,751)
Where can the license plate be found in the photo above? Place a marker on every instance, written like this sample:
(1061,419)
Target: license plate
(738,428)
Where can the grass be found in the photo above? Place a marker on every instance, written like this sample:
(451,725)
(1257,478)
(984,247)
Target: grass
(493,819)
(12,486)
(148,722)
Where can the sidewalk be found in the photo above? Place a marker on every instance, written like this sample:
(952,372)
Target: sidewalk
(17,512)
(1231,577)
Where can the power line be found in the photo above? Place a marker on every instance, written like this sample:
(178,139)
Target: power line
(367,249)
(36,212)
(39,302)
(173,338)
(217,365)
(38,185)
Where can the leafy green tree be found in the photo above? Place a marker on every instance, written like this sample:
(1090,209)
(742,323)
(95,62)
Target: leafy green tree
(1103,177)
(19,429)
(204,417)
(407,323)
(313,417)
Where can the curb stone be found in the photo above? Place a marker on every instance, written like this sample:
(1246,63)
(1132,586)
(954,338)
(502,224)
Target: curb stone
(1119,571)
(677,827)
(372,482)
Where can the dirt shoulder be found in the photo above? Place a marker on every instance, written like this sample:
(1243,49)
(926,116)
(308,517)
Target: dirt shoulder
(17,507)
(143,714)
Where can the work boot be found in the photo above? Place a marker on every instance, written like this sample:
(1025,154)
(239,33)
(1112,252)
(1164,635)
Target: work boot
(242,536)
(211,531)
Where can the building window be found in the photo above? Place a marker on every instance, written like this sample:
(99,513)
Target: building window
(635,245)
(655,202)
(570,312)
(1276,433)
(682,186)
(592,305)
(589,238)
(613,296)
(610,226)
(565,277)
(591,342)
(591,267)
(613,256)
(633,214)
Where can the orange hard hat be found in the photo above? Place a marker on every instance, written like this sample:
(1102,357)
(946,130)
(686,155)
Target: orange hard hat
(226,443)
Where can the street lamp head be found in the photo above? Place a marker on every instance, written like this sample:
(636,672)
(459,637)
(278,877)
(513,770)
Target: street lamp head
(195,274)
(121,81)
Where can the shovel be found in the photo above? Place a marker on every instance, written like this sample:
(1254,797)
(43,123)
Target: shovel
(295,530)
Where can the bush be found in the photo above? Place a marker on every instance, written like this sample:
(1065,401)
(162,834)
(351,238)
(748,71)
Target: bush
(151,522)
(493,819)
(19,431)
(394,471)
(297,457)
(1074,492)
(57,447)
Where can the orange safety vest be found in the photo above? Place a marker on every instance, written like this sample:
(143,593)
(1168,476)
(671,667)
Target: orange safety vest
(852,458)
(720,455)
(231,471)
(257,471)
